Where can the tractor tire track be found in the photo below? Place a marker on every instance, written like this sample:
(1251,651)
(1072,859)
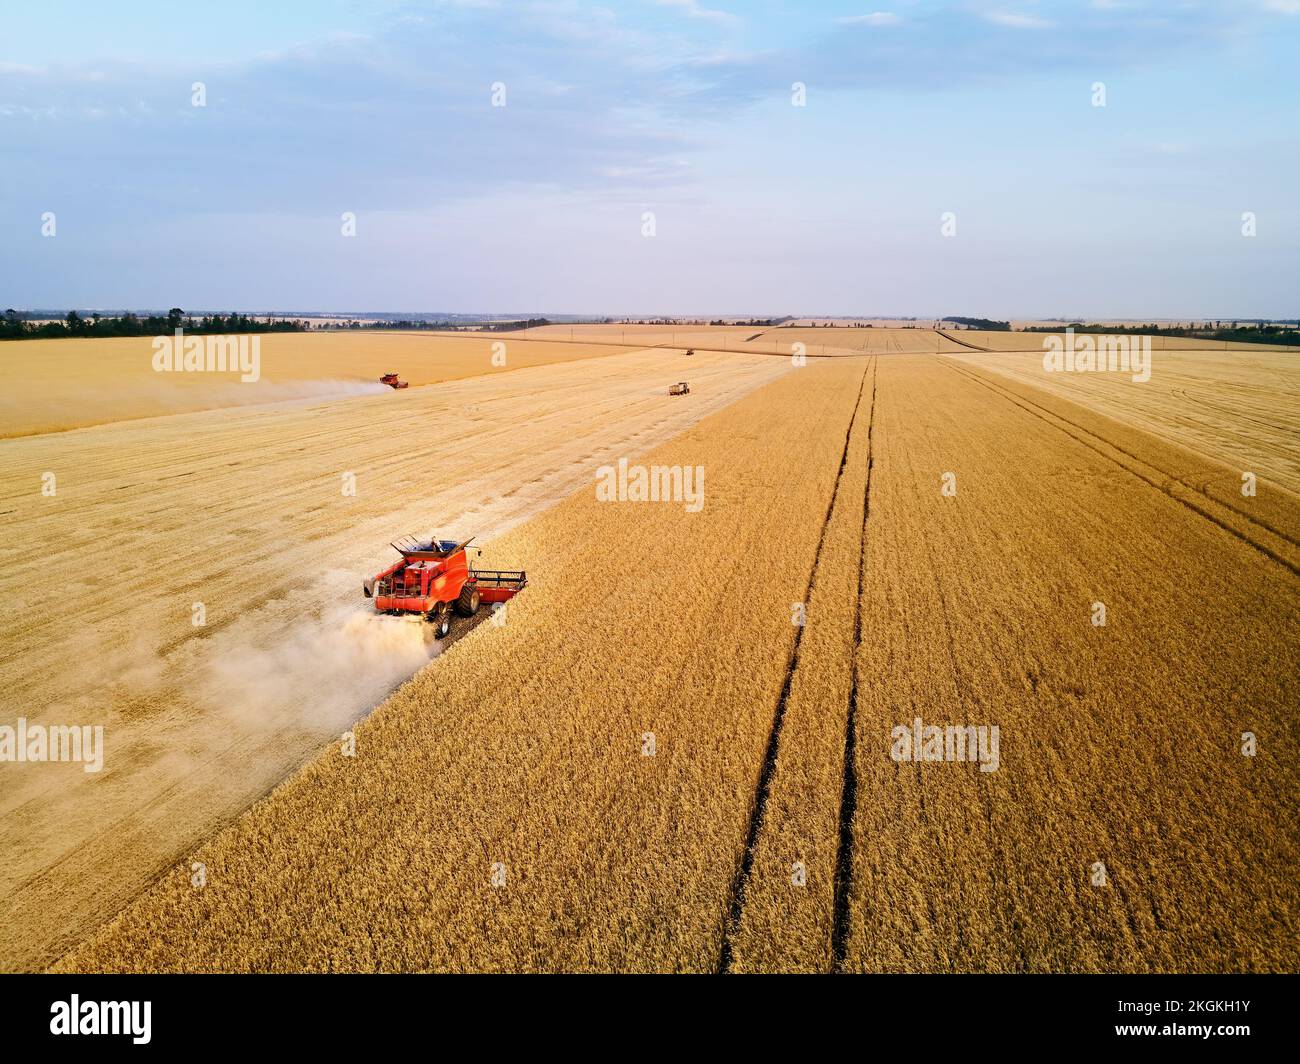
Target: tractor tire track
(1098,444)
(963,343)
(764,788)
(1188,397)
(1251,518)
(849,795)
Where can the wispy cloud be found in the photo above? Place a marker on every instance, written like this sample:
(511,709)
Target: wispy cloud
(352,122)
(935,48)
(1017,20)
(876,18)
(694,9)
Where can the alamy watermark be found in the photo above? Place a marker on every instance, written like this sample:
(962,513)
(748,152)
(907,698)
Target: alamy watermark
(209,354)
(949,742)
(56,742)
(1090,353)
(628,483)
(102,1018)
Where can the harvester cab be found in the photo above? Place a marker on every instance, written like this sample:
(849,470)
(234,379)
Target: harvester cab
(434,578)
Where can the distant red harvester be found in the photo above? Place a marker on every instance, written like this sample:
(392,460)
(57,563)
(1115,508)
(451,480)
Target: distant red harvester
(434,578)
(391,380)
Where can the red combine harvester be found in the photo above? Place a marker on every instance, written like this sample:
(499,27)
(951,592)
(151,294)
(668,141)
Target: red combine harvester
(434,578)
(392,381)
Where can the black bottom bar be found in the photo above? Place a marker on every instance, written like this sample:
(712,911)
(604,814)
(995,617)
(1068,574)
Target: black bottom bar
(866,1015)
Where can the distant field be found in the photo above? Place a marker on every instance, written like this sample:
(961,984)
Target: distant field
(759,338)
(874,341)
(1023,341)
(660,333)
(721,337)
(62,384)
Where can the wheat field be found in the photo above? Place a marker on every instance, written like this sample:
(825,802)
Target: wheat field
(1124,830)
(525,747)
(781,926)
(243,512)
(503,813)
(976,609)
(816,342)
(678,751)
(53,385)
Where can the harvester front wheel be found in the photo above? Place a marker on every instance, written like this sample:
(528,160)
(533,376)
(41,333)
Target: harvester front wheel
(440,618)
(468,603)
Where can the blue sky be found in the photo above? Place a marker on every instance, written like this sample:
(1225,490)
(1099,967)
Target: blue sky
(681,108)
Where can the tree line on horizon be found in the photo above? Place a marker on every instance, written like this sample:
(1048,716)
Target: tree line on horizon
(14,326)
(1239,332)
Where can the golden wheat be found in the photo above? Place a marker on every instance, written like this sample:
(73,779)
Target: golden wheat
(789,899)
(523,753)
(1124,829)
(1237,407)
(575,789)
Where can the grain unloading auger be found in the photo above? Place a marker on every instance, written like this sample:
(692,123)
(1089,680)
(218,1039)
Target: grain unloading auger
(434,578)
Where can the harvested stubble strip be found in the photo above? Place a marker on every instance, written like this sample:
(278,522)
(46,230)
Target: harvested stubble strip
(523,744)
(1119,744)
(54,385)
(785,926)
